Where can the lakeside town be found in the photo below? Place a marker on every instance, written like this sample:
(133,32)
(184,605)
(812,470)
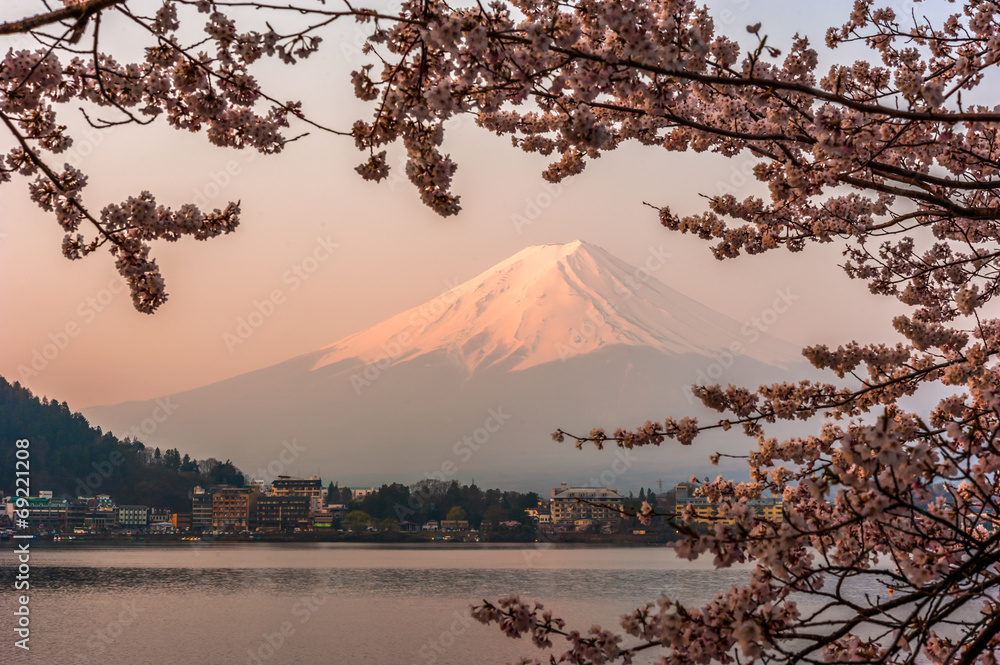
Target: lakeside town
(97,486)
(293,508)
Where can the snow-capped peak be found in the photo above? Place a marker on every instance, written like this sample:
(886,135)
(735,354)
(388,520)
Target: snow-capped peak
(549,303)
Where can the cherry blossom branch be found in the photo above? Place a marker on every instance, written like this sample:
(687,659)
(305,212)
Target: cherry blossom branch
(79,11)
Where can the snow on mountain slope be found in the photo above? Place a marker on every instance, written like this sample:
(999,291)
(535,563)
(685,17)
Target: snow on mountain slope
(548,303)
(631,348)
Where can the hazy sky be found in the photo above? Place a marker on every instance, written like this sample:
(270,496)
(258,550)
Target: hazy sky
(392,253)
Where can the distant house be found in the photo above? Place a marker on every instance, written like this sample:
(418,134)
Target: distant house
(409,527)
(312,488)
(181,521)
(46,512)
(233,508)
(283,512)
(539,516)
(570,504)
(162,527)
(431,526)
(76,513)
(99,520)
(201,510)
(337,510)
(159,515)
(324,519)
(770,508)
(454,525)
(132,517)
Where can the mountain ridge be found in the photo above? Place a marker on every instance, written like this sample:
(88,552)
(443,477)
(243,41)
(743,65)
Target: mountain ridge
(558,336)
(591,299)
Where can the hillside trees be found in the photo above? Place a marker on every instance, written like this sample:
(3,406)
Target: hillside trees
(357,520)
(438,500)
(73,459)
(894,156)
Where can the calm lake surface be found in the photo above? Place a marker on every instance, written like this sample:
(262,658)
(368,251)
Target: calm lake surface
(227,604)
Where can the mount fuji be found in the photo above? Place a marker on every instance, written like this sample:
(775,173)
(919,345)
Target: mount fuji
(472,383)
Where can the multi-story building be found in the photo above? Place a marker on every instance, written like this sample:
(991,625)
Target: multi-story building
(769,507)
(337,510)
(358,493)
(233,508)
(307,487)
(44,512)
(162,527)
(541,515)
(570,504)
(102,513)
(8,507)
(282,513)
(181,521)
(201,510)
(76,513)
(132,517)
(326,518)
(159,515)
(100,520)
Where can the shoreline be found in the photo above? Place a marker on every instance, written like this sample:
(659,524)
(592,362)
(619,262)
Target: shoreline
(552,540)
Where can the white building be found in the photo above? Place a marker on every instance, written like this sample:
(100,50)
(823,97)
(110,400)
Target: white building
(570,504)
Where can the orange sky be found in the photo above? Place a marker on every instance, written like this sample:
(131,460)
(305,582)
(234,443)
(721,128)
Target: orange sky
(71,334)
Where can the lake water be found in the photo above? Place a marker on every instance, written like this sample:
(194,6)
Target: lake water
(227,604)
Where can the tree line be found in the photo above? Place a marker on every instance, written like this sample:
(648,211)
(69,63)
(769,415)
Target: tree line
(438,500)
(71,458)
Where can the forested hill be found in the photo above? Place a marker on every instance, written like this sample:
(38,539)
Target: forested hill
(71,458)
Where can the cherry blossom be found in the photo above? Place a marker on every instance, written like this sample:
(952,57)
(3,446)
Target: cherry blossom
(888,548)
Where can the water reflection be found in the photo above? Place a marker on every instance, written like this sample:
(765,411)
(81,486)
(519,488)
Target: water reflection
(284,604)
